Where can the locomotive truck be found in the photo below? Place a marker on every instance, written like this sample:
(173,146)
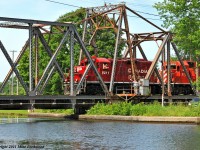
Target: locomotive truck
(123,76)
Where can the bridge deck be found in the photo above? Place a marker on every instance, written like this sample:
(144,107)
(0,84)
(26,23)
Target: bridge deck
(67,102)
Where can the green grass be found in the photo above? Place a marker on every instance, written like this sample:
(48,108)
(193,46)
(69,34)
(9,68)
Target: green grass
(24,113)
(60,111)
(14,113)
(127,109)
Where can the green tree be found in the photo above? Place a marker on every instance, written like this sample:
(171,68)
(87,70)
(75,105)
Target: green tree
(183,19)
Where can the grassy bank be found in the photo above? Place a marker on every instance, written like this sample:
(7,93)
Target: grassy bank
(14,113)
(58,111)
(127,109)
(24,113)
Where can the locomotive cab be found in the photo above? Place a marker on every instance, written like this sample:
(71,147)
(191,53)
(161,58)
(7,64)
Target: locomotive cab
(179,80)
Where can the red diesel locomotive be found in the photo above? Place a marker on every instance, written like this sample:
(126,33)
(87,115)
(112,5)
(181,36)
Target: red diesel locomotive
(179,81)
(122,80)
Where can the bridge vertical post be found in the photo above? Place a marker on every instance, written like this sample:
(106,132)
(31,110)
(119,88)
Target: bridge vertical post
(83,36)
(30,59)
(115,54)
(71,62)
(168,71)
(162,72)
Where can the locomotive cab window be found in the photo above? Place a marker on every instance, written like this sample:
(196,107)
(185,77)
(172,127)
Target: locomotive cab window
(191,64)
(173,66)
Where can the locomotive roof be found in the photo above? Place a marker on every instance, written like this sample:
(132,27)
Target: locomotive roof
(102,60)
(185,62)
(97,59)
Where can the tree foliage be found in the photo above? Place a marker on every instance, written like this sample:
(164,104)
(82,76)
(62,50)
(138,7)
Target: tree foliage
(183,19)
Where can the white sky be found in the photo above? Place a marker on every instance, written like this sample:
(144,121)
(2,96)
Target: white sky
(14,39)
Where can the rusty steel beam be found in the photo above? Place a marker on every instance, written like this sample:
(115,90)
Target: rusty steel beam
(136,44)
(99,14)
(133,66)
(168,70)
(153,65)
(112,78)
(153,33)
(144,19)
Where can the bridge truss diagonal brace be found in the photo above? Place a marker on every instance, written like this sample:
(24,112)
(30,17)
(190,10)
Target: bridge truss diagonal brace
(144,56)
(47,79)
(184,68)
(103,85)
(49,52)
(52,60)
(153,65)
(83,77)
(13,66)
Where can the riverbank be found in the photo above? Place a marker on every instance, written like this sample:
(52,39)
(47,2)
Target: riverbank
(158,119)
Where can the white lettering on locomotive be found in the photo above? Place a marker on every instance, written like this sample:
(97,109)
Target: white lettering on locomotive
(106,72)
(129,70)
(138,71)
(105,66)
(142,71)
(79,69)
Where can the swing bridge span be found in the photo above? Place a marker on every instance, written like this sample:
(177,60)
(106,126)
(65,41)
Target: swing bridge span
(34,97)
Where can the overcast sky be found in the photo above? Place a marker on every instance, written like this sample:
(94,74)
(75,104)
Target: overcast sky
(49,10)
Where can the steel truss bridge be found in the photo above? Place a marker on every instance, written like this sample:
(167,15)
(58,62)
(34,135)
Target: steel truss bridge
(98,18)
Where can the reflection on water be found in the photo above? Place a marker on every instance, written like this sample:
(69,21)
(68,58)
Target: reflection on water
(70,134)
